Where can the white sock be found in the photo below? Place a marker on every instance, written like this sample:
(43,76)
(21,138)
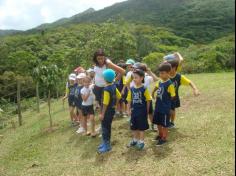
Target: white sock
(141,142)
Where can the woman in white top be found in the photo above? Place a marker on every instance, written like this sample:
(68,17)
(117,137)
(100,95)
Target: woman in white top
(102,63)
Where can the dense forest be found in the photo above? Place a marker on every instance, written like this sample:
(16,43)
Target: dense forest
(145,30)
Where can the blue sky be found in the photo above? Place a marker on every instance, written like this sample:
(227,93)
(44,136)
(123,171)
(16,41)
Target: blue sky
(26,14)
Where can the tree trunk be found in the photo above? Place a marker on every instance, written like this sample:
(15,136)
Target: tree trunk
(37,95)
(19,103)
(49,107)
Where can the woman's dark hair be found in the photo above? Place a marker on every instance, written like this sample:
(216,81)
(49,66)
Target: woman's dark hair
(140,72)
(99,52)
(164,67)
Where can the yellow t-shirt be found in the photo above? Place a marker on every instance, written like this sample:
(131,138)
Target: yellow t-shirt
(184,81)
(147,96)
(106,97)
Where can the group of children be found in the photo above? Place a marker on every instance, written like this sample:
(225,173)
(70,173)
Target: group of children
(125,90)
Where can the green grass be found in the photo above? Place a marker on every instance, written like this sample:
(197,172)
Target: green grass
(203,143)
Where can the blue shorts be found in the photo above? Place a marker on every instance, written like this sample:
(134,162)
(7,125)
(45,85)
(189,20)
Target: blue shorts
(161,119)
(175,104)
(87,110)
(139,120)
(78,103)
(71,101)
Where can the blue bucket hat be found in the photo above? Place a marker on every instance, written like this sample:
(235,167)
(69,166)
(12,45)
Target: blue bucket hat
(109,75)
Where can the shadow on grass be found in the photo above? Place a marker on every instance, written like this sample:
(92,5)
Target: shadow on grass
(134,155)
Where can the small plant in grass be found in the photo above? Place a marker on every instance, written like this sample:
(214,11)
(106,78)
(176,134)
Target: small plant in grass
(49,76)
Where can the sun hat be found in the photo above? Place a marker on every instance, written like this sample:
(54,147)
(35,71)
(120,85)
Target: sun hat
(72,77)
(130,62)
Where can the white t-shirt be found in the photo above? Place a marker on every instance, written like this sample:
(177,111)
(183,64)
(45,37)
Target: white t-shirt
(99,80)
(148,80)
(90,100)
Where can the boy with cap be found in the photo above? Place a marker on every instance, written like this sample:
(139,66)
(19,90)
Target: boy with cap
(110,97)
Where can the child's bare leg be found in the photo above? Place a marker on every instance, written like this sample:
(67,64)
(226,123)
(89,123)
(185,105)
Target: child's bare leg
(92,125)
(135,135)
(80,116)
(165,133)
(141,136)
(150,116)
(72,113)
(85,123)
(172,115)
(160,131)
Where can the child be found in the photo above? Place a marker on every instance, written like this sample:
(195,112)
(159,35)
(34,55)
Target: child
(165,94)
(102,63)
(111,96)
(129,64)
(91,74)
(120,84)
(139,100)
(70,94)
(178,80)
(175,56)
(87,106)
(78,101)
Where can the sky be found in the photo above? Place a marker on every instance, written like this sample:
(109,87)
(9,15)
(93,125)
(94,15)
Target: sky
(27,14)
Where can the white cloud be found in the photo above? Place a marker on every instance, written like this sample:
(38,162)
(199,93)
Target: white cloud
(26,14)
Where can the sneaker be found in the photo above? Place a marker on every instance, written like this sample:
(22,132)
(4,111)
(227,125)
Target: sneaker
(101,145)
(80,130)
(161,142)
(105,148)
(171,125)
(98,130)
(117,114)
(125,115)
(157,138)
(132,144)
(140,146)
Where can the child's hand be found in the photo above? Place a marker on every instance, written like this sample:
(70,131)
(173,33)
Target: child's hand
(101,117)
(196,92)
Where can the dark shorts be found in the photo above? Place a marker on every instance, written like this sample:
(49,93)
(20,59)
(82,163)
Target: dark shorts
(161,119)
(71,101)
(124,97)
(139,120)
(87,110)
(78,103)
(175,104)
(98,92)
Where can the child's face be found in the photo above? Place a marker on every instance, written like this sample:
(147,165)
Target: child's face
(101,60)
(138,80)
(72,82)
(129,67)
(80,81)
(92,74)
(173,71)
(86,82)
(164,75)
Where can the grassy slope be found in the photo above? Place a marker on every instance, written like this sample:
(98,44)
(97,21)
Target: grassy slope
(201,145)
